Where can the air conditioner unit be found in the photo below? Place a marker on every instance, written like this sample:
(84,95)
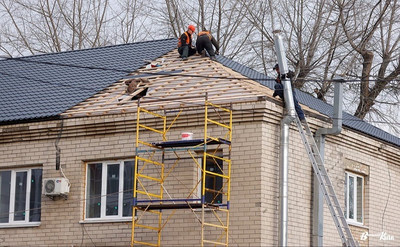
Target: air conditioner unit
(55,187)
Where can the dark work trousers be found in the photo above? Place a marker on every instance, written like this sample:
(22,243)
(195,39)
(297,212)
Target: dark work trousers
(279,91)
(204,42)
(186,51)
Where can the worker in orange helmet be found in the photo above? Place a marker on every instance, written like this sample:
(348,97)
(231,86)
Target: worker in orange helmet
(185,47)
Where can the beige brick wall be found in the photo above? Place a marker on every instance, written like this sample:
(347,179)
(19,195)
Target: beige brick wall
(254,193)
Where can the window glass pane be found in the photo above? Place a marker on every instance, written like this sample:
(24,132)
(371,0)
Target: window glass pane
(112,189)
(93,200)
(345,196)
(213,183)
(5,186)
(359,199)
(20,196)
(129,172)
(35,195)
(351,197)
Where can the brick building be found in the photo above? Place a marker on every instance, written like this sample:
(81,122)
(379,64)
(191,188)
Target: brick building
(76,103)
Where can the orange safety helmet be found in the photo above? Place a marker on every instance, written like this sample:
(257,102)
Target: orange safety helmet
(191,27)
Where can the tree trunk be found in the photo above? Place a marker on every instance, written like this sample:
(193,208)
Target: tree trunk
(366,102)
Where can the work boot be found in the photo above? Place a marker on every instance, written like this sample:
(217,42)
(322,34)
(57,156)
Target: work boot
(184,59)
(203,53)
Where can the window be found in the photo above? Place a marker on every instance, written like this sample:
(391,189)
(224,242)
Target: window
(214,183)
(354,198)
(20,197)
(109,190)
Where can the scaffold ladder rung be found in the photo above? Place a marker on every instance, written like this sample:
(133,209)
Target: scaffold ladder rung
(150,161)
(150,178)
(150,128)
(218,158)
(216,191)
(218,106)
(216,226)
(214,242)
(148,211)
(148,144)
(148,227)
(218,123)
(145,243)
(149,194)
(217,174)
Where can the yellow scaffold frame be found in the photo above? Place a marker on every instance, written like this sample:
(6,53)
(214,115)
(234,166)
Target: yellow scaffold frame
(155,202)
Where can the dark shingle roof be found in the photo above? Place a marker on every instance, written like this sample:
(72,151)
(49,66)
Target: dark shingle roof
(44,86)
(349,120)
(41,87)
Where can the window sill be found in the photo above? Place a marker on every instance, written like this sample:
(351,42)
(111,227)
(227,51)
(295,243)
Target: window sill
(15,225)
(92,221)
(357,224)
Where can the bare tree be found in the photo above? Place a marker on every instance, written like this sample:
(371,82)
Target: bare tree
(58,25)
(128,21)
(311,33)
(373,35)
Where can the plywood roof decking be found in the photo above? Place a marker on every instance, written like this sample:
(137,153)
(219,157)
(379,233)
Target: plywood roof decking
(187,82)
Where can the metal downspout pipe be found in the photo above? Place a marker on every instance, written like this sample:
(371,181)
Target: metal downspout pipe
(284,144)
(318,199)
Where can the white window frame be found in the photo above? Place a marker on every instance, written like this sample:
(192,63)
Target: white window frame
(20,223)
(104,170)
(355,196)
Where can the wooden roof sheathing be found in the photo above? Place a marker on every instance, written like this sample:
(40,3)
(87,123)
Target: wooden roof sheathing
(173,83)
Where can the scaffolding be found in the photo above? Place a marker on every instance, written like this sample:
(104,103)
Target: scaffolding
(155,165)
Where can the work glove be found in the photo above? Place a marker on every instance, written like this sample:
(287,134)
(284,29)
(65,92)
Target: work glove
(290,74)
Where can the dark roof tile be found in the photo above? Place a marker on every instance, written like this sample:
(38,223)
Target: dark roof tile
(39,81)
(44,86)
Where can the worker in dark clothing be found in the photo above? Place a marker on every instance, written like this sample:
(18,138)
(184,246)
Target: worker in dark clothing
(185,47)
(279,92)
(204,42)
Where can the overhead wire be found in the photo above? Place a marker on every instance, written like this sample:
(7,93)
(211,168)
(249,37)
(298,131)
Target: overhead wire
(185,75)
(148,73)
(261,112)
(162,73)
